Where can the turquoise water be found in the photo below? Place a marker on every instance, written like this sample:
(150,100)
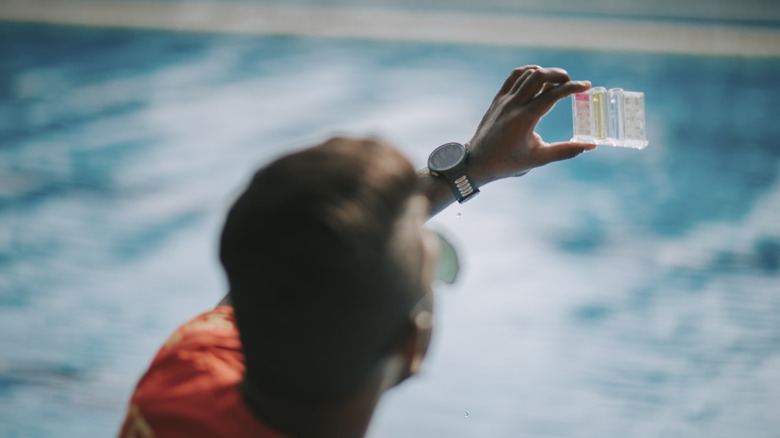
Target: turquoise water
(625,293)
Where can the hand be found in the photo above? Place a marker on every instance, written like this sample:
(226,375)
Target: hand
(505,143)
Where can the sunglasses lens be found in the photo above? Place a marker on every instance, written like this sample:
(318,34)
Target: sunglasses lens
(448,262)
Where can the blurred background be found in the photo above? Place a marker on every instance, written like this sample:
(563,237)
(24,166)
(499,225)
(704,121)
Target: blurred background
(624,293)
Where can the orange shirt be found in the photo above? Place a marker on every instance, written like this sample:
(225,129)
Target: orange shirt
(191,387)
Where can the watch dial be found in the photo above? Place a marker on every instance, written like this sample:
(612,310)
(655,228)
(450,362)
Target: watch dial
(446,157)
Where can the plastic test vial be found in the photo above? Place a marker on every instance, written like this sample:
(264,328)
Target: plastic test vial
(613,117)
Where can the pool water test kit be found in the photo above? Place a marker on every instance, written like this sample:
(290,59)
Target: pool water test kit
(613,117)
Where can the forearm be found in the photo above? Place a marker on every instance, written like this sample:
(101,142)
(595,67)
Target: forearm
(436,189)
(440,192)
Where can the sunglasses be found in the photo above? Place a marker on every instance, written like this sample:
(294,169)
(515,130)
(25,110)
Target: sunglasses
(448,266)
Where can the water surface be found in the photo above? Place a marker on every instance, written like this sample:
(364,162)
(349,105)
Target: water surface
(624,293)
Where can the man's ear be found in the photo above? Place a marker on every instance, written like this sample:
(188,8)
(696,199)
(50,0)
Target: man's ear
(410,354)
(416,344)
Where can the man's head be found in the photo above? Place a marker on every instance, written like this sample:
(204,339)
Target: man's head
(326,258)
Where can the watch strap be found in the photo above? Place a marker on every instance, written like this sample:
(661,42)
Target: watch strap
(450,161)
(463,187)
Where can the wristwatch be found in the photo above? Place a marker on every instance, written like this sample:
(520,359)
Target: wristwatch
(448,161)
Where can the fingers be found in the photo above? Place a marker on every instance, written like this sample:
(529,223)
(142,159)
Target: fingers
(521,81)
(514,78)
(549,97)
(532,82)
(535,81)
(563,151)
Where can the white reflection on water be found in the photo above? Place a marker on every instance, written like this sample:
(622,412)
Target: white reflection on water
(602,297)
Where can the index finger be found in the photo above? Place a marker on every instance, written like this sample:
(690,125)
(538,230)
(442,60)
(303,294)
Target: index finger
(534,82)
(545,101)
(516,74)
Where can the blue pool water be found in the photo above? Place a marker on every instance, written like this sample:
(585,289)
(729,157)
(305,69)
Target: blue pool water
(624,293)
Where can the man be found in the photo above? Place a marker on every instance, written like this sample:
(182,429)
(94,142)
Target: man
(330,274)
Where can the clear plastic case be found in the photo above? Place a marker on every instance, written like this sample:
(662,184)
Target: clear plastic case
(613,117)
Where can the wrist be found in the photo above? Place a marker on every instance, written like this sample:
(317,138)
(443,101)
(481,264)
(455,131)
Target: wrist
(485,169)
(477,166)
(449,162)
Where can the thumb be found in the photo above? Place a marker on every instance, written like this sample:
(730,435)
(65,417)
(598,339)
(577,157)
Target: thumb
(564,150)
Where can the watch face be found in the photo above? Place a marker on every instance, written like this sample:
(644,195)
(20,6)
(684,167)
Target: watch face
(446,157)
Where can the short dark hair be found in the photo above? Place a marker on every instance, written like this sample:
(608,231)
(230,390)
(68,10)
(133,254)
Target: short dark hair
(317,292)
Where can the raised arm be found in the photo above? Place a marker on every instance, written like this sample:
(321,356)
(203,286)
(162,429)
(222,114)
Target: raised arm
(505,143)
